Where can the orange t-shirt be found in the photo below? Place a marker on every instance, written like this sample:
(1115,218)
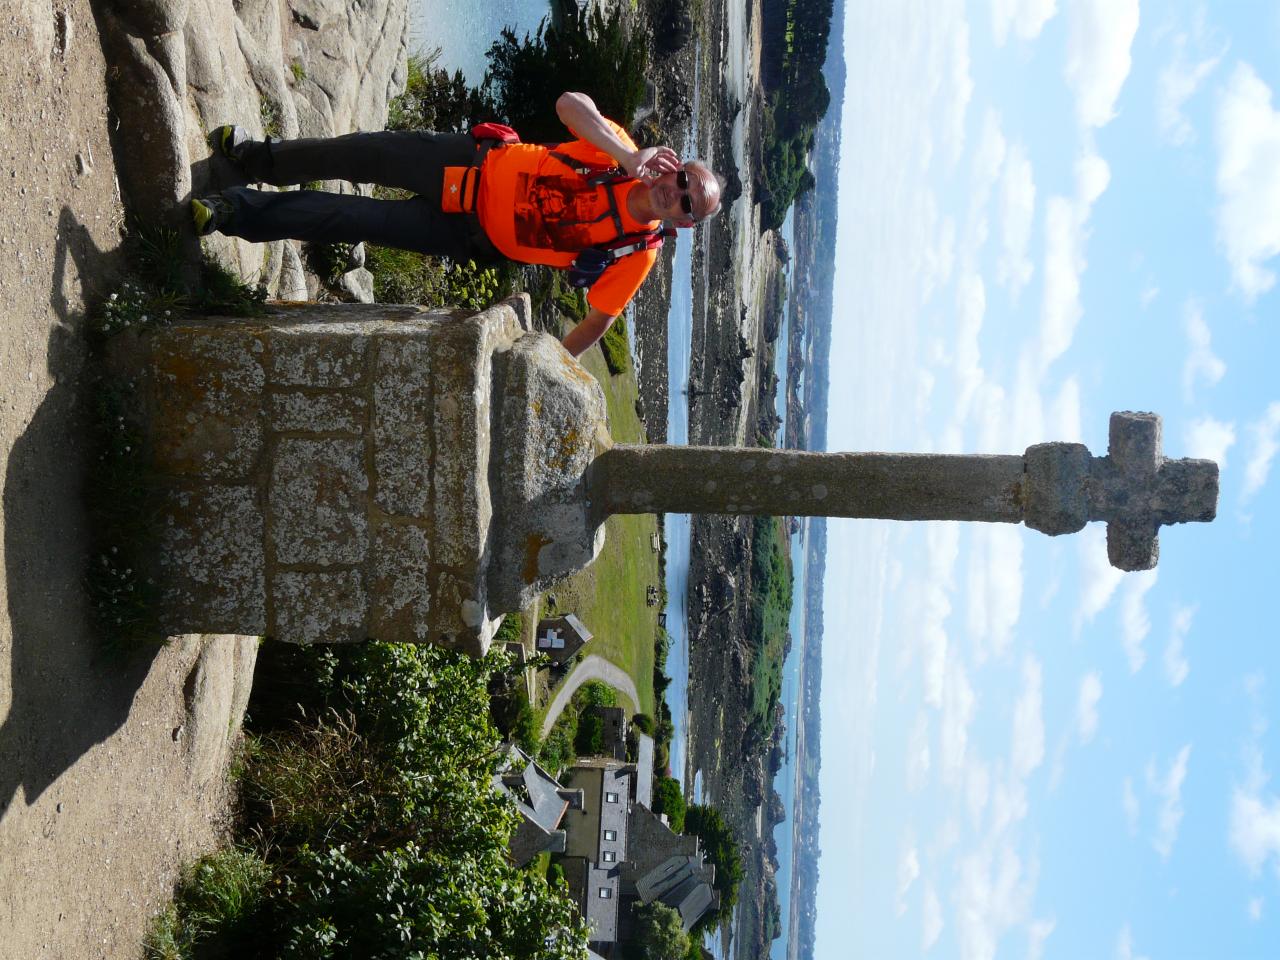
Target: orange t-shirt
(536,209)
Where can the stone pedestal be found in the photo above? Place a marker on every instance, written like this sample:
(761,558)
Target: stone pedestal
(333,473)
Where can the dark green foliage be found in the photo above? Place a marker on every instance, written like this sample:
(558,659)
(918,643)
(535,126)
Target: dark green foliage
(596,693)
(795,38)
(435,100)
(616,348)
(511,630)
(668,798)
(589,739)
(643,722)
(770,613)
(555,876)
(590,53)
(215,898)
(380,823)
(556,753)
(673,27)
(722,849)
(659,934)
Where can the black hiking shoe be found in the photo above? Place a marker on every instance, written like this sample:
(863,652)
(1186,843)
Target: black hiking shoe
(210,214)
(230,141)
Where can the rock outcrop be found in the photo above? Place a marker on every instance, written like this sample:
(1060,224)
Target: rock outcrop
(288,68)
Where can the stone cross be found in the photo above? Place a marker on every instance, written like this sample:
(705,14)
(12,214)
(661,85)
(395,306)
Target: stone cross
(1055,488)
(332,473)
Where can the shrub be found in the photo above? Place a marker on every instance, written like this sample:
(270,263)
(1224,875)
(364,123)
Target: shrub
(381,824)
(643,722)
(721,847)
(589,739)
(616,349)
(511,631)
(668,799)
(584,51)
(216,894)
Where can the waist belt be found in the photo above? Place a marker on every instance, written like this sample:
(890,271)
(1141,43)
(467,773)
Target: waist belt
(461,185)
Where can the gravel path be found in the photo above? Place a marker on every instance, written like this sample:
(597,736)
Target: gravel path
(589,668)
(108,783)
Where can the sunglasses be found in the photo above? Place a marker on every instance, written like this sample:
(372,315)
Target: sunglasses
(686,201)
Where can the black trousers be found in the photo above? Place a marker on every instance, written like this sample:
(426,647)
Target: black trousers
(409,160)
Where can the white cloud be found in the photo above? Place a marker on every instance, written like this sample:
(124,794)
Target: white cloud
(1255,909)
(1098,578)
(1131,806)
(1025,17)
(1265,433)
(1210,439)
(1037,933)
(1098,60)
(1063,417)
(1202,364)
(992,894)
(908,873)
(931,919)
(1254,831)
(1168,790)
(958,701)
(1176,667)
(1065,231)
(1248,140)
(977,789)
(942,543)
(1178,82)
(995,587)
(1017,207)
(1124,945)
(918,756)
(1087,706)
(1148,295)
(1027,749)
(1135,622)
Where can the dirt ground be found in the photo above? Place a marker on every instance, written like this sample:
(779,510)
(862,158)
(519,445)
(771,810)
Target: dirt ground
(105,789)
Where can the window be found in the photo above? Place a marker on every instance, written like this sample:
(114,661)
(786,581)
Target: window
(611,834)
(605,893)
(609,857)
(610,798)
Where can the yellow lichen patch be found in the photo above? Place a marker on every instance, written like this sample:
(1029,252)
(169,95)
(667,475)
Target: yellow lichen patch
(532,547)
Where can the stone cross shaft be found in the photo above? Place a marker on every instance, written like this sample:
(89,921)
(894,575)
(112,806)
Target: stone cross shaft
(1053,487)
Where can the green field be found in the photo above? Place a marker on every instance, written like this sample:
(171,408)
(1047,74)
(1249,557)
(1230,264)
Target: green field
(609,596)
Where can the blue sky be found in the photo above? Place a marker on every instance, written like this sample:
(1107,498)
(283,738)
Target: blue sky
(1050,210)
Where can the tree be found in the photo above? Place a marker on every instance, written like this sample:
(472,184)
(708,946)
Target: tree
(588,52)
(721,847)
(668,798)
(659,934)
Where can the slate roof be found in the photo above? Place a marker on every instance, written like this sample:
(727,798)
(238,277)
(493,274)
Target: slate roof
(541,802)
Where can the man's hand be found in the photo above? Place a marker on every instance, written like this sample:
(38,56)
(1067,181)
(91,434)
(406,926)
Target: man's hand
(578,112)
(652,162)
(591,329)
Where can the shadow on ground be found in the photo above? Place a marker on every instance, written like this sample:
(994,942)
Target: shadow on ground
(68,693)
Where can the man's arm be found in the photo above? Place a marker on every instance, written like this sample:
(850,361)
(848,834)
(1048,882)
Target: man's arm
(588,331)
(578,112)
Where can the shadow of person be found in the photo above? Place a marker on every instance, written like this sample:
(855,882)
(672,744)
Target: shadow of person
(67,693)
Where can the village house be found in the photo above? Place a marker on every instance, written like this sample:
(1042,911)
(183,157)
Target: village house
(561,637)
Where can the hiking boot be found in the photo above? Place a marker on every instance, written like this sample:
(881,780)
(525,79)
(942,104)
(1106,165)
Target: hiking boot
(230,141)
(210,214)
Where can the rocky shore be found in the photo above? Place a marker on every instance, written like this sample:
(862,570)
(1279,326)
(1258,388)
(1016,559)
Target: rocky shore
(736,273)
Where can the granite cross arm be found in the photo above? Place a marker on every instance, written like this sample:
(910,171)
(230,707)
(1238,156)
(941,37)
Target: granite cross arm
(1053,487)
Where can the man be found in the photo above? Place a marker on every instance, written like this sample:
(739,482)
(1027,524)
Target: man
(527,202)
